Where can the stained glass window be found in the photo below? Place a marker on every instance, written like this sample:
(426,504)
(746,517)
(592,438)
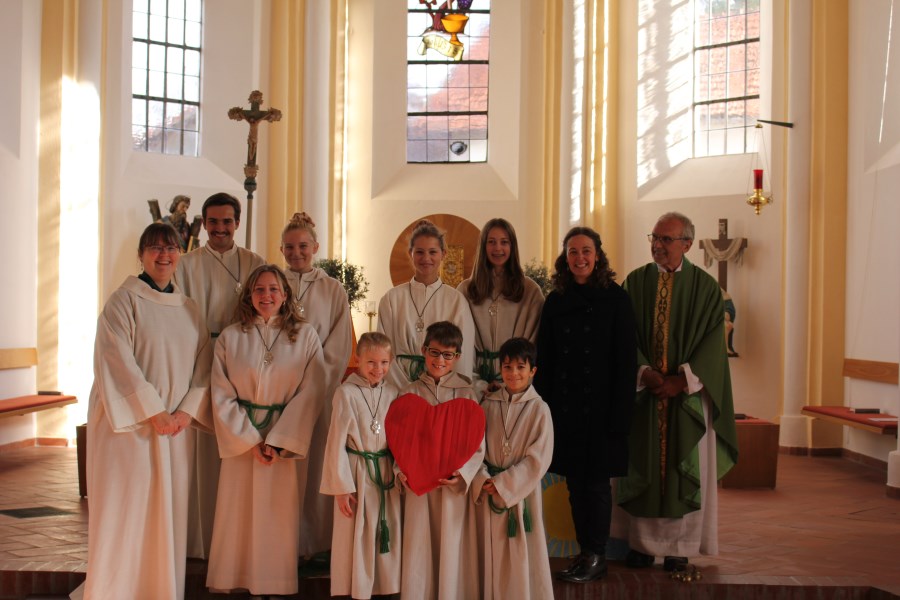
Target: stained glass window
(447,53)
(726,76)
(165,76)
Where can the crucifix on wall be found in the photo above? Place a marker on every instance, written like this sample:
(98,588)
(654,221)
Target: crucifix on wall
(254,116)
(722,250)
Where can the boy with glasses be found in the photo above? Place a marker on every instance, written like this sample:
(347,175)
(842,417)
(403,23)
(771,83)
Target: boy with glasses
(439,527)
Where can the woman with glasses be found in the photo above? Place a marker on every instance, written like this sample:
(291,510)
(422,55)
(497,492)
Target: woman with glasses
(587,369)
(147,396)
(504,302)
(406,310)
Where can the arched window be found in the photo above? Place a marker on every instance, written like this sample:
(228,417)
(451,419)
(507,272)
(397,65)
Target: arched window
(448,47)
(165,76)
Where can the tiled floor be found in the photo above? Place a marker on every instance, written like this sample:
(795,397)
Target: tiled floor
(828,523)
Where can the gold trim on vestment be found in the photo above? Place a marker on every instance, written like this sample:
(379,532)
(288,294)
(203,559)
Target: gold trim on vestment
(664,286)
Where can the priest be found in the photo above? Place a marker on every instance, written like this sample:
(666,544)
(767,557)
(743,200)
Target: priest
(683,435)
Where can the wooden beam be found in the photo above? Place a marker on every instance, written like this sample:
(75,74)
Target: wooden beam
(18,358)
(871,370)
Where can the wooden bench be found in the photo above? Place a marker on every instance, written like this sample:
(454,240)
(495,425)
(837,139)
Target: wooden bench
(880,423)
(10,407)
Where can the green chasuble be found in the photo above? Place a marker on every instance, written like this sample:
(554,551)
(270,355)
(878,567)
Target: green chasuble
(693,333)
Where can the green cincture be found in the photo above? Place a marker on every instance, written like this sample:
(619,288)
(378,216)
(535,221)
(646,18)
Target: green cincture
(484,360)
(373,468)
(512,525)
(415,367)
(269,408)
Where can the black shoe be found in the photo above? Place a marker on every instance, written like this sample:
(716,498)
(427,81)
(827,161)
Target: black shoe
(572,566)
(638,560)
(590,568)
(675,563)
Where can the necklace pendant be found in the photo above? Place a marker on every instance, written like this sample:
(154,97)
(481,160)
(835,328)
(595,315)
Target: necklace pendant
(420,325)
(237,288)
(492,309)
(507,449)
(301,309)
(267,358)
(375,426)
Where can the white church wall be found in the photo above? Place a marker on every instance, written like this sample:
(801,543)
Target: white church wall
(20,45)
(384,193)
(706,190)
(873,213)
(233,64)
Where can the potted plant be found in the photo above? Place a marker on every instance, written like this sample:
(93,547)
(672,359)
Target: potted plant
(537,271)
(350,276)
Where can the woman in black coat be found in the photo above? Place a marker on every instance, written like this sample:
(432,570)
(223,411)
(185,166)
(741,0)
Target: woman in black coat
(587,373)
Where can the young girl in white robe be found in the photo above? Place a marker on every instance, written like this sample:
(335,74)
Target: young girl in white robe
(322,302)
(266,396)
(406,310)
(504,302)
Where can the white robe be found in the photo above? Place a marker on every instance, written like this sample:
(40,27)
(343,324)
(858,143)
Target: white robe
(441,550)
(510,319)
(256,531)
(358,568)
(397,315)
(212,286)
(519,566)
(148,344)
(694,534)
(327,309)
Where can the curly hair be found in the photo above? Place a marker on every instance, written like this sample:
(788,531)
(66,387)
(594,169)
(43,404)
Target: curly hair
(481,287)
(301,221)
(245,313)
(601,276)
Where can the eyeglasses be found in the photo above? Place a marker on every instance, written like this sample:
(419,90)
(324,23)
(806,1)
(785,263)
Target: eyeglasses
(652,237)
(434,353)
(162,249)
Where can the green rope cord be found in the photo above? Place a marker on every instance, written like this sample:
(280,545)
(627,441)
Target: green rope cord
(373,469)
(269,408)
(415,367)
(484,365)
(512,525)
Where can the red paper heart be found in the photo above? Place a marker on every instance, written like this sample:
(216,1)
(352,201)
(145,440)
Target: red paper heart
(431,442)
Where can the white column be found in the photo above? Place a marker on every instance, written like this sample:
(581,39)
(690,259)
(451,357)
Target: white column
(794,426)
(20,46)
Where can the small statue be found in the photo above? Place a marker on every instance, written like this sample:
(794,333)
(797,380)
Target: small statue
(177,218)
(730,314)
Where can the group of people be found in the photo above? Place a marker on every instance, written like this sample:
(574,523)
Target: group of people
(220,424)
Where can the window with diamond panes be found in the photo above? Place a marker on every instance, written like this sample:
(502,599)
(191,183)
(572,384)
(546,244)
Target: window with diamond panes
(165,76)
(448,48)
(726,76)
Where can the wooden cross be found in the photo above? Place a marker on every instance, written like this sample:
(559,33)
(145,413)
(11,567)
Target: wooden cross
(254,117)
(720,244)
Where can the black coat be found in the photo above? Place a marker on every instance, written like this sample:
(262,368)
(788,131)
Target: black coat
(587,373)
